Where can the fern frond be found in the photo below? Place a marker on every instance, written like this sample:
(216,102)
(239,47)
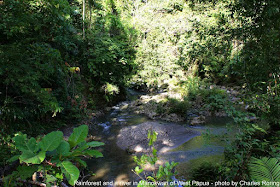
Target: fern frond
(265,169)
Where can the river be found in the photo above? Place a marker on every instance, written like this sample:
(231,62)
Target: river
(116,165)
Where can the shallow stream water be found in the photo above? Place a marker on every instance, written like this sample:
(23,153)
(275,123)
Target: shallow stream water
(116,165)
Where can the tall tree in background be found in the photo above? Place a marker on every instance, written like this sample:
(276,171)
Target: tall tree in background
(84,14)
(260,32)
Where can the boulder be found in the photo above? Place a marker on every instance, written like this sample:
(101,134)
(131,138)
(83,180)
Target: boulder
(134,138)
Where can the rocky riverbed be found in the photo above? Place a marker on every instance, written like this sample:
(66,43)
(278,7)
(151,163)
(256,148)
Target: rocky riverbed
(124,130)
(156,106)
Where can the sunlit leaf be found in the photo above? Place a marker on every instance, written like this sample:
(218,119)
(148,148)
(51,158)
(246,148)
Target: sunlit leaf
(31,158)
(51,141)
(71,172)
(79,135)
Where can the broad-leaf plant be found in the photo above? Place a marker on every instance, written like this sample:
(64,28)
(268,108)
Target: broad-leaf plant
(52,158)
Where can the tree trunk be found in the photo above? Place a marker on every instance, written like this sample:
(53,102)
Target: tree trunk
(84,10)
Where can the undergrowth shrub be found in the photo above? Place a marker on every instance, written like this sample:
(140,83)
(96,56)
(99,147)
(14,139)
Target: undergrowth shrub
(178,106)
(51,157)
(215,99)
(207,172)
(162,173)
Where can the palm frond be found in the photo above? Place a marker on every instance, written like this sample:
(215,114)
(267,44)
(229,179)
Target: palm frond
(265,169)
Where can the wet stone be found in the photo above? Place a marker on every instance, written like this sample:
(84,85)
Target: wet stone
(134,138)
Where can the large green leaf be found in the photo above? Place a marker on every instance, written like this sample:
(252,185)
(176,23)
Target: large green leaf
(32,145)
(76,153)
(50,179)
(51,141)
(70,171)
(31,158)
(93,153)
(95,144)
(138,170)
(152,137)
(150,178)
(26,171)
(20,142)
(63,149)
(79,135)
(14,158)
(81,146)
(83,163)
(265,169)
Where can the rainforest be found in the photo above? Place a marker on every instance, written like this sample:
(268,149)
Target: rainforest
(139,93)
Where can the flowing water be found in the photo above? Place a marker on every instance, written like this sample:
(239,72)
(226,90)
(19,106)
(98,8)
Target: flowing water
(116,165)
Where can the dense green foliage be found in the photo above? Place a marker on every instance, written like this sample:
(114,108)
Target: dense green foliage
(33,72)
(259,36)
(57,65)
(265,169)
(51,73)
(226,42)
(52,157)
(164,172)
(48,68)
(179,38)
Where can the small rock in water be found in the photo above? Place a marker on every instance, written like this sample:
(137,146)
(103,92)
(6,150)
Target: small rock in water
(152,115)
(121,119)
(105,126)
(144,97)
(115,107)
(172,117)
(191,115)
(114,113)
(123,107)
(198,120)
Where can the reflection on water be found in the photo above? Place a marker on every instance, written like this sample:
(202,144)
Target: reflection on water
(213,133)
(184,169)
(115,160)
(217,133)
(116,165)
